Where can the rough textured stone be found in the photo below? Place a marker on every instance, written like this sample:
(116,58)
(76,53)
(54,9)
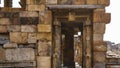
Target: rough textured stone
(14,28)
(44,28)
(24,37)
(100,48)
(36,7)
(42,61)
(99,65)
(15,37)
(2,54)
(28,28)
(78,2)
(10,45)
(20,54)
(52,1)
(28,14)
(44,36)
(99,57)
(32,37)
(4,38)
(3,29)
(91,2)
(99,28)
(98,37)
(44,48)
(5,21)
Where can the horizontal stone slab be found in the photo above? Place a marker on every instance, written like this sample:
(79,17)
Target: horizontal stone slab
(20,54)
(44,36)
(28,14)
(99,56)
(99,28)
(44,28)
(5,21)
(10,45)
(28,28)
(14,28)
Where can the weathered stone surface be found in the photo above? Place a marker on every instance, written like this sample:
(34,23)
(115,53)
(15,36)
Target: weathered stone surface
(44,48)
(5,21)
(14,28)
(28,14)
(10,45)
(4,38)
(29,20)
(99,65)
(52,2)
(100,16)
(15,37)
(2,54)
(99,57)
(36,7)
(98,37)
(24,37)
(20,54)
(99,28)
(100,48)
(44,28)
(28,28)
(104,2)
(91,2)
(78,2)
(3,29)
(44,36)
(42,61)
(32,37)
(30,2)
(65,1)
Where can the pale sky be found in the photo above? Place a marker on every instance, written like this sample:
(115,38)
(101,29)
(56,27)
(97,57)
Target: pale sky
(113,29)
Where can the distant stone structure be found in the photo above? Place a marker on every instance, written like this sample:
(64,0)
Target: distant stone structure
(40,34)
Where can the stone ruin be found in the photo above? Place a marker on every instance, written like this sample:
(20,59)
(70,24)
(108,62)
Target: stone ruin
(41,34)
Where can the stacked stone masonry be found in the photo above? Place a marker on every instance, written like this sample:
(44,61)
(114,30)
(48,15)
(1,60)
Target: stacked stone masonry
(26,33)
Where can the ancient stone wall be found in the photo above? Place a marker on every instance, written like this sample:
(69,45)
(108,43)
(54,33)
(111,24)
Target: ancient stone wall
(26,33)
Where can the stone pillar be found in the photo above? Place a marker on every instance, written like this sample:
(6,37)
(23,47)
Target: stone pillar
(100,18)
(57,45)
(87,44)
(7,3)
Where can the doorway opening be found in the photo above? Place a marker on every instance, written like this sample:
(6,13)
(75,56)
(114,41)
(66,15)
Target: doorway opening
(71,49)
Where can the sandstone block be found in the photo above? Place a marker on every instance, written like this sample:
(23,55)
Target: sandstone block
(78,2)
(99,57)
(44,36)
(44,48)
(28,28)
(32,38)
(44,28)
(99,28)
(52,2)
(100,48)
(36,7)
(28,14)
(100,16)
(14,28)
(15,37)
(91,2)
(97,37)
(30,2)
(24,37)
(5,21)
(20,54)
(99,65)
(2,54)
(104,2)
(10,45)
(42,61)
(3,29)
